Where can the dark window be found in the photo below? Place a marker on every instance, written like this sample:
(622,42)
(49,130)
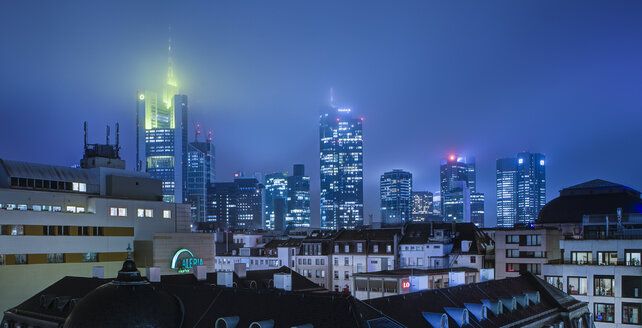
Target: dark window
(473,259)
(512,239)
(14,182)
(632,286)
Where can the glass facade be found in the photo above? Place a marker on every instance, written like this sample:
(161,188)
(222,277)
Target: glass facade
(521,189)
(460,202)
(276,190)
(200,174)
(298,215)
(341,157)
(396,197)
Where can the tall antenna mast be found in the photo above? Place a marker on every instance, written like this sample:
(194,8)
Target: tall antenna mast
(331,97)
(108,134)
(85,128)
(117,138)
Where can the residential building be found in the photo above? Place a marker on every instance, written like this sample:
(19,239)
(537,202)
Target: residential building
(314,259)
(444,245)
(518,250)
(57,221)
(395,190)
(341,154)
(365,250)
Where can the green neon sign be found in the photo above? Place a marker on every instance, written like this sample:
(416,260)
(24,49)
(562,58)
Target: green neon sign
(185,263)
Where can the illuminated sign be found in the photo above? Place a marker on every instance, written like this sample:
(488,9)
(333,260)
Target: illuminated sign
(344,110)
(405,284)
(184,260)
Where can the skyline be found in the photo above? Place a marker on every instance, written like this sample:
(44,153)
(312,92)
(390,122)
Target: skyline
(574,126)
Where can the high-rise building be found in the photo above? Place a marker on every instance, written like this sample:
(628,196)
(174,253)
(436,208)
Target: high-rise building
(506,192)
(460,201)
(521,189)
(163,136)
(200,174)
(395,190)
(236,205)
(422,203)
(341,152)
(276,191)
(531,186)
(298,201)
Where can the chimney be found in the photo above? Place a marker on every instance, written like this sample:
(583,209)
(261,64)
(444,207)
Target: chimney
(240,270)
(153,274)
(98,272)
(200,272)
(225,278)
(283,281)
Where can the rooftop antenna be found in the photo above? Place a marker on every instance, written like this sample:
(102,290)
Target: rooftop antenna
(117,138)
(209,136)
(107,134)
(197,131)
(85,128)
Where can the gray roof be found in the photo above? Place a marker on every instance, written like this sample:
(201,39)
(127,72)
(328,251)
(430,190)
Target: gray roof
(47,172)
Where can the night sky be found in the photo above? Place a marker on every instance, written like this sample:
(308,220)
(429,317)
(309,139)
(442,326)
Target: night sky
(480,78)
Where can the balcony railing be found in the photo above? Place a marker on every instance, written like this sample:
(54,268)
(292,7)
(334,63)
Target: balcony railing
(618,263)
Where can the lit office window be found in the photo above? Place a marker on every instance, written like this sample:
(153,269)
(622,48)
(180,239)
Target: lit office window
(167,214)
(631,313)
(140,213)
(576,286)
(71,209)
(80,210)
(90,257)
(37,208)
(604,312)
(113,211)
(122,211)
(149,213)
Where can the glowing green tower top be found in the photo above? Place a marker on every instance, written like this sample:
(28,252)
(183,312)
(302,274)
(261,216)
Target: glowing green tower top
(160,113)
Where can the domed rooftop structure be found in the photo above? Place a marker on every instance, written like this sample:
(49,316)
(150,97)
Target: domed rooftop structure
(595,197)
(127,301)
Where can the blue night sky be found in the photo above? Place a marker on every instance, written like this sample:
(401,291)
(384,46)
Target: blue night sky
(480,78)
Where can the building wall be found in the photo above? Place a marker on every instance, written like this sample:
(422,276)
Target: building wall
(549,243)
(165,245)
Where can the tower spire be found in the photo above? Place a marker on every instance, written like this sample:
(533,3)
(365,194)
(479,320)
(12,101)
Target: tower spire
(331,97)
(171,85)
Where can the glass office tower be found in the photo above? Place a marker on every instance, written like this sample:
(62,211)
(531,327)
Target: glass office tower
(521,189)
(395,190)
(460,201)
(506,192)
(276,190)
(341,154)
(200,174)
(298,201)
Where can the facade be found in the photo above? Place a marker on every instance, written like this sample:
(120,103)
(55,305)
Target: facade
(525,249)
(276,192)
(298,201)
(341,153)
(161,135)
(200,174)
(506,183)
(314,259)
(58,221)
(422,203)
(403,281)
(235,205)
(395,190)
(426,246)
(357,251)
(521,189)
(460,202)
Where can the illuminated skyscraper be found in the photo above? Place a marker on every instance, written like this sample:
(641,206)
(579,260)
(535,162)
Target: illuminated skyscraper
(298,201)
(236,205)
(164,136)
(341,152)
(521,189)
(460,202)
(276,192)
(200,174)
(395,190)
(531,186)
(506,192)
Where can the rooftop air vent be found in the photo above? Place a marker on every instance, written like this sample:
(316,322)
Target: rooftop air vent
(262,324)
(227,322)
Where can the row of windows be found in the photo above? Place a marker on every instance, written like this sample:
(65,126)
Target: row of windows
(141,212)
(602,285)
(534,268)
(48,184)
(302,261)
(42,208)
(308,273)
(19,259)
(375,248)
(515,253)
(524,240)
(34,230)
(419,248)
(605,312)
(631,257)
